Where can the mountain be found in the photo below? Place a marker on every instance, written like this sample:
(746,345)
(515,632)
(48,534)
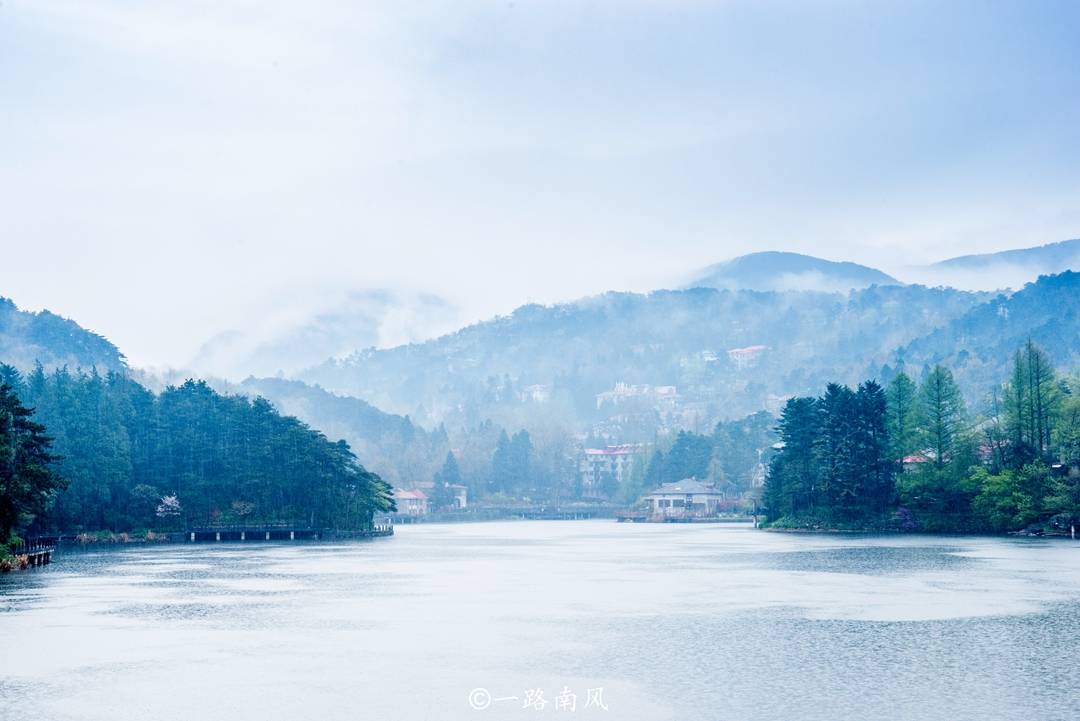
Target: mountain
(724,352)
(27,337)
(778,271)
(1007,269)
(294,333)
(979,344)
(390,445)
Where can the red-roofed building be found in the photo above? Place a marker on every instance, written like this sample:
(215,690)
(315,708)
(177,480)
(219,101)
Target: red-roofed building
(410,503)
(914,461)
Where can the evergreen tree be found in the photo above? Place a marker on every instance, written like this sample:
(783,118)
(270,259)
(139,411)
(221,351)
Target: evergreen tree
(28,482)
(689,457)
(442,495)
(502,466)
(943,413)
(791,487)
(521,474)
(902,397)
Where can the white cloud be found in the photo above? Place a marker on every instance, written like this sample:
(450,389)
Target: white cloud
(179,162)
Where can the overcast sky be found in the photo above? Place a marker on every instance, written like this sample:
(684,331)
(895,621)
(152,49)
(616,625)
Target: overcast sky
(170,170)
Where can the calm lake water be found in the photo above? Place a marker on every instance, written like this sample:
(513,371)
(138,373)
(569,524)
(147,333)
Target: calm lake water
(670,621)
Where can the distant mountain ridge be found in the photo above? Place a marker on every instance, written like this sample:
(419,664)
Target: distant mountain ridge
(979,344)
(1005,269)
(27,338)
(1048,259)
(725,351)
(783,271)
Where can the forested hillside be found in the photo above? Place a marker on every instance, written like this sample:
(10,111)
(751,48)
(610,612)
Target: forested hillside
(187,456)
(978,346)
(689,339)
(391,445)
(26,338)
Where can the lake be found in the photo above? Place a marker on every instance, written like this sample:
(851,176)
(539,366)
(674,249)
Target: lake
(553,619)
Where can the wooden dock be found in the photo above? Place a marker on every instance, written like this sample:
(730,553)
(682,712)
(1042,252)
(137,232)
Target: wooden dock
(236,534)
(29,555)
(40,557)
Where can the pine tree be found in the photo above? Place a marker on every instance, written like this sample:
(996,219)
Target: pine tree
(943,413)
(28,481)
(902,397)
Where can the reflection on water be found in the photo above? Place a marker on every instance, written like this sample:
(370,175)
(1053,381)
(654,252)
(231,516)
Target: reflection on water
(671,621)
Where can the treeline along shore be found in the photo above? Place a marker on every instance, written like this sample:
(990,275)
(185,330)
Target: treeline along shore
(82,452)
(910,456)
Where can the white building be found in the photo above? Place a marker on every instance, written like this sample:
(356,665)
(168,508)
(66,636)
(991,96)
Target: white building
(685,499)
(614,463)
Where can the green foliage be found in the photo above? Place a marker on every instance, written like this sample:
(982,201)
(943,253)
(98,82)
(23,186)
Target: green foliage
(839,457)
(942,414)
(28,481)
(902,421)
(226,459)
(834,463)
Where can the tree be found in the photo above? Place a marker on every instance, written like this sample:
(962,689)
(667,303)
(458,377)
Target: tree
(874,465)
(791,487)
(943,413)
(834,449)
(502,466)
(902,398)
(689,457)
(28,482)
(442,495)
(122,449)
(521,475)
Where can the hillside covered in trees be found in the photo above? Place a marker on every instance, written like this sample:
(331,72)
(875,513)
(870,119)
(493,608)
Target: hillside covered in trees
(27,338)
(681,338)
(131,459)
(391,445)
(912,456)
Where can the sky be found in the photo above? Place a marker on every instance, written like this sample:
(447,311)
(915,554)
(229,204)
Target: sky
(172,171)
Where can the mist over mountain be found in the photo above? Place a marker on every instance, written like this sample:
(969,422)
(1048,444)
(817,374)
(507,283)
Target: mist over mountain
(715,353)
(391,445)
(781,271)
(1005,269)
(979,344)
(52,340)
(293,335)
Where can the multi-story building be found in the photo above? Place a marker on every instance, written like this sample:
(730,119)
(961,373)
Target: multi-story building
(611,465)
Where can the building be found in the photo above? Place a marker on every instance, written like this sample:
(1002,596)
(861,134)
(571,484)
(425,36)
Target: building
(746,357)
(410,503)
(612,465)
(461,493)
(687,498)
(914,461)
(539,393)
(659,396)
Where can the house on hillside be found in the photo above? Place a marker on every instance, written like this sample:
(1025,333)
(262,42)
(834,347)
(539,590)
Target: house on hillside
(687,499)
